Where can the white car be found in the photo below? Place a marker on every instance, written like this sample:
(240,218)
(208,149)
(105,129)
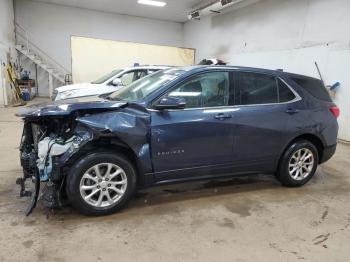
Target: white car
(106,84)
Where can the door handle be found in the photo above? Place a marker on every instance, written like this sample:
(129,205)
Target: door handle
(292,111)
(222,116)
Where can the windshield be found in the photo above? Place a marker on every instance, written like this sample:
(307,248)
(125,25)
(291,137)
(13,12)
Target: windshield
(139,89)
(106,77)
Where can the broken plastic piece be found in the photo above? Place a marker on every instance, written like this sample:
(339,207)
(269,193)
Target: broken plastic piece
(34,194)
(23,192)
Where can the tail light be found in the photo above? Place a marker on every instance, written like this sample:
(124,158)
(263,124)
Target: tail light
(335,111)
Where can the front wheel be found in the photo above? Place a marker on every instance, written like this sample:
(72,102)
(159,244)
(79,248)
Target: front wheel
(101,183)
(298,164)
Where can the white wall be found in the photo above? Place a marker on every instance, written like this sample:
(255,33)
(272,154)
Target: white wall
(51,27)
(288,34)
(110,55)
(7,38)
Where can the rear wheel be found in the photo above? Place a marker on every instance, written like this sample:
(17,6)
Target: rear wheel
(298,164)
(101,183)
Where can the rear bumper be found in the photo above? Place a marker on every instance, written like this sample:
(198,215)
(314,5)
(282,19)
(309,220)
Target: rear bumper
(328,152)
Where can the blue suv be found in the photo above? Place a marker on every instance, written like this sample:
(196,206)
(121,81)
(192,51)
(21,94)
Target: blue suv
(179,124)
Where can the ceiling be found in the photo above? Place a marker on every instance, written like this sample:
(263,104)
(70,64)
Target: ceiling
(175,10)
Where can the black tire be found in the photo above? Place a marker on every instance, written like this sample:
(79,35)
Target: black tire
(81,166)
(283,173)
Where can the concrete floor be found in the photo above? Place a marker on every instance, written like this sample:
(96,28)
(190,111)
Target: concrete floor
(244,219)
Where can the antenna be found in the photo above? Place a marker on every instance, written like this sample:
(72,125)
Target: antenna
(319,72)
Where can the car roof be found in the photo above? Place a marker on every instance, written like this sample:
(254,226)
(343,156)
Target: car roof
(160,67)
(293,75)
(229,67)
(276,72)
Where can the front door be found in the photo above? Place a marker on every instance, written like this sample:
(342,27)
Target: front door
(198,139)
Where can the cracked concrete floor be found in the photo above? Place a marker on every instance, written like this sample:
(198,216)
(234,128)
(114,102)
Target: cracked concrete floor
(248,218)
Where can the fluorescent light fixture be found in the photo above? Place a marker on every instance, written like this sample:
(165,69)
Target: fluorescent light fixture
(151,2)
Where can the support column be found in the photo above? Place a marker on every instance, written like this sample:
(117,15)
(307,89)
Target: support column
(50,85)
(3,91)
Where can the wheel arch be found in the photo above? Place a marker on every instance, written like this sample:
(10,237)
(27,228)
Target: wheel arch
(113,145)
(314,139)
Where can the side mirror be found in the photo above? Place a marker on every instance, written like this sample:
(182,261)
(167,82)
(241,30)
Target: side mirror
(117,82)
(170,103)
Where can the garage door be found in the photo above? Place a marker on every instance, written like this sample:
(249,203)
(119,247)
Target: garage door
(93,58)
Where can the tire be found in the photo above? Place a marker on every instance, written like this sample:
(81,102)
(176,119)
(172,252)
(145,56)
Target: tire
(101,183)
(294,171)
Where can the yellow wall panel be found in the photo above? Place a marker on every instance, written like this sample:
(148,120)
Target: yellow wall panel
(93,58)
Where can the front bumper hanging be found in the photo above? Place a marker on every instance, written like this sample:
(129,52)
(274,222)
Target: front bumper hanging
(34,194)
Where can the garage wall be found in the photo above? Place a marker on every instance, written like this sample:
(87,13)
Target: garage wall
(285,34)
(7,51)
(51,27)
(110,55)
(7,36)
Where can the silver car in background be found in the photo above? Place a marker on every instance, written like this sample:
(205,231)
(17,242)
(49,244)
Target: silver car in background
(106,84)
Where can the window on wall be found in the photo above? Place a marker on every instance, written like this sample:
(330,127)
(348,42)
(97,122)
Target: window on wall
(205,90)
(254,88)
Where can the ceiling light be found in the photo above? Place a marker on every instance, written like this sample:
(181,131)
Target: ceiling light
(151,2)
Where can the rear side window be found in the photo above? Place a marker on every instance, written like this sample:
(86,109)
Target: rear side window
(313,86)
(256,89)
(284,92)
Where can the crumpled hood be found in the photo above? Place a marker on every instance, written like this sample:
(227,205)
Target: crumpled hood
(66,107)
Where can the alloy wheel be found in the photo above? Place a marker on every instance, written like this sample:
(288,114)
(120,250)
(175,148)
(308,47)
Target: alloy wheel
(103,185)
(301,164)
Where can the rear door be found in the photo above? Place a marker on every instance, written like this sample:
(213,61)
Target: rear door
(198,139)
(262,102)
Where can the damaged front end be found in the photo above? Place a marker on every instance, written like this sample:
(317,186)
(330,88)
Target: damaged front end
(45,141)
(56,135)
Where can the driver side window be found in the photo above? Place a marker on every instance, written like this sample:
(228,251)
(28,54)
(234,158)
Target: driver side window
(205,90)
(127,78)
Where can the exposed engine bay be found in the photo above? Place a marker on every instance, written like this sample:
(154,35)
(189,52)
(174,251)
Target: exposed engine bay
(43,143)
